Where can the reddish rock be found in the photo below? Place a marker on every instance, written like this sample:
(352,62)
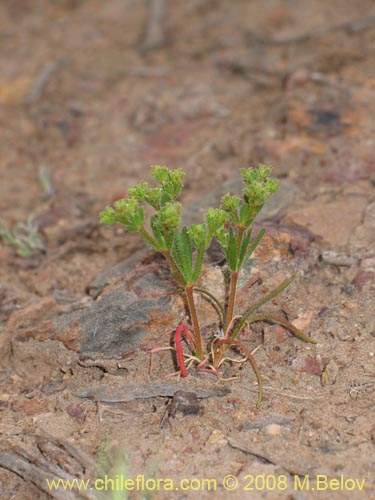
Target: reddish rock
(35,407)
(75,411)
(314,366)
(364,277)
(278,333)
(288,240)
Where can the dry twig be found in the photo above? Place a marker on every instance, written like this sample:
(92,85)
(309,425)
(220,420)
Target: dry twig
(356,26)
(155,31)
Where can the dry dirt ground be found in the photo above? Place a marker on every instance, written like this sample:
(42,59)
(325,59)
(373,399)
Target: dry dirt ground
(90,100)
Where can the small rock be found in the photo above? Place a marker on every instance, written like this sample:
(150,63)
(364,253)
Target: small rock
(303,321)
(273,430)
(270,421)
(75,411)
(339,259)
(35,407)
(216,438)
(329,374)
(185,402)
(364,277)
(314,366)
(348,288)
(53,387)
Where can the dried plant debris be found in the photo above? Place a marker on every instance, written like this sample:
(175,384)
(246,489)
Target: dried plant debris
(129,392)
(357,389)
(24,238)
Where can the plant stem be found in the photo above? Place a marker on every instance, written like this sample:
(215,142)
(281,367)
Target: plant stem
(194,319)
(233,282)
(178,275)
(167,254)
(267,318)
(147,236)
(232,298)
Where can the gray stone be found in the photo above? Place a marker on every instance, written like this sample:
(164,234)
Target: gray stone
(115,323)
(339,259)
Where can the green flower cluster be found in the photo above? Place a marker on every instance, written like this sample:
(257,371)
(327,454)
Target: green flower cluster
(127,211)
(230,224)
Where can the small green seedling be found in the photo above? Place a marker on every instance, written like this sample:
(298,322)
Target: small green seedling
(184,248)
(25,238)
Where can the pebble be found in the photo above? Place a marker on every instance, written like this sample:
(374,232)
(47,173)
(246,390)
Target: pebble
(329,374)
(216,438)
(53,387)
(273,430)
(339,259)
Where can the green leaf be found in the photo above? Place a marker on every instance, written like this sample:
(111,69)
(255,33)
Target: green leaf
(108,216)
(258,188)
(230,204)
(232,250)
(169,238)
(198,233)
(244,244)
(170,180)
(127,211)
(254,245)
(165,198)
(246,215)
(139,191)
(199,261)
(182,253)
(153,197)
(216,219)
(158,232)
(160,174)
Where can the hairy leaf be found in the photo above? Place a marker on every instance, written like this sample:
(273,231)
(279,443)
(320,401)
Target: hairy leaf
(182,253)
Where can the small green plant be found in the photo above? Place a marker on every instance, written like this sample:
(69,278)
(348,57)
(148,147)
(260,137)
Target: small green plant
(25,238)
(184,248)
